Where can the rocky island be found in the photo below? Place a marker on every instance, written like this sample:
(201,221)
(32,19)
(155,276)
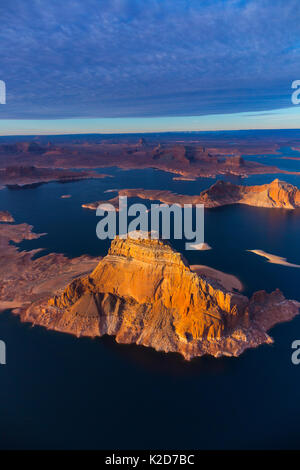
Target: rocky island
(277,194)
(144,292)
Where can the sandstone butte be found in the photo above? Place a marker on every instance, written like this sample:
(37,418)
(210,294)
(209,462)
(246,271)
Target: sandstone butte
(277,194)
(144,292)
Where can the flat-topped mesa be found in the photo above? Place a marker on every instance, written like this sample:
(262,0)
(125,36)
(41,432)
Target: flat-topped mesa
(144,292)
(147,250)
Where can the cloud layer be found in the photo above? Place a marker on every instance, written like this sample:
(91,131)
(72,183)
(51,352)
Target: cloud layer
(128,58)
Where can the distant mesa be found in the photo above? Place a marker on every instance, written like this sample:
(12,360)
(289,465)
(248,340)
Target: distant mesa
(22,147)
(184,158)
(23,175)
(144,292)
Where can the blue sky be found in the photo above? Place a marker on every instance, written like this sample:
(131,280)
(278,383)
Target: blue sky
(144,65)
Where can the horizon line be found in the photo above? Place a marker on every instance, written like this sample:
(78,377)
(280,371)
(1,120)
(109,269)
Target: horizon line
(283,118)
(152,132)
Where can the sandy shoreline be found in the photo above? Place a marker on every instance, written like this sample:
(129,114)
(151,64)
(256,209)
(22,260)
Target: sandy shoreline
(274,259)
(228,281)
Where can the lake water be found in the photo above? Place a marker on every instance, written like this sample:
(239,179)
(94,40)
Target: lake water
(58,391)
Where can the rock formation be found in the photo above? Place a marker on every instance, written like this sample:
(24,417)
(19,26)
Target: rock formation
(22,175)
(190,159)
(144,292)
(277,194)
(5,216)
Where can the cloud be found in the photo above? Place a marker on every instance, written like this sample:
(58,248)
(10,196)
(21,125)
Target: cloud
(129,58)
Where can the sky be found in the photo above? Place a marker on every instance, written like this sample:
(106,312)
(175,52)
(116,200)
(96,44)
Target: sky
(148,65)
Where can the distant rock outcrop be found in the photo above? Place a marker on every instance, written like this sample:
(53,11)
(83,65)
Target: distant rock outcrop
(235,161)
(277,194)
(5,216)
(142,142)
(182,157)
(144,292)
(22,147)
(22,175)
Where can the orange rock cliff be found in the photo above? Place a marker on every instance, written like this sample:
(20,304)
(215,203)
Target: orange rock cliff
(144,292)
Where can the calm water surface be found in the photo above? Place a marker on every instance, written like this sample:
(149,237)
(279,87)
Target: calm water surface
(62,392)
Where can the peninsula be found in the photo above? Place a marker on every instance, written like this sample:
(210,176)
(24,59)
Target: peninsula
(26,175)
(277,194)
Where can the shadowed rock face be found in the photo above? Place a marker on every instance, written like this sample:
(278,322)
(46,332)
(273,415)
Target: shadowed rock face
(144,292)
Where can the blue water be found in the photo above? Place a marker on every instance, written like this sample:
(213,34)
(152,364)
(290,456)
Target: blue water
(62,392)
(279,159)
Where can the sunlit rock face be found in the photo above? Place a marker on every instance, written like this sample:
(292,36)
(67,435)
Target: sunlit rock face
(144,292)
(284,194)
(277,194)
